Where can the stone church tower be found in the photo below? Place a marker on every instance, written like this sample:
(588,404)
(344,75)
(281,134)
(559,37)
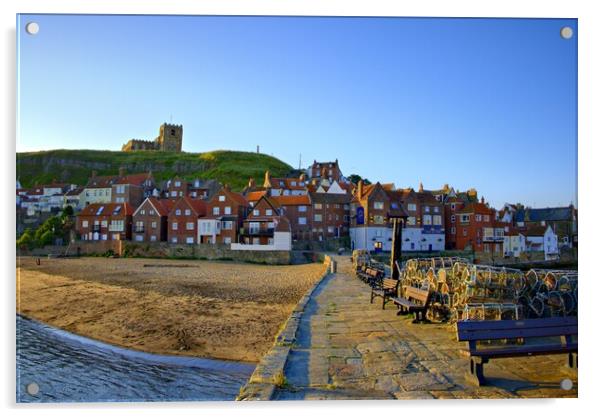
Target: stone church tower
(170,138)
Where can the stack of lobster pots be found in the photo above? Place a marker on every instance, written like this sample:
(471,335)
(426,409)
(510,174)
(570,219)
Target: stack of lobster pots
(461,290)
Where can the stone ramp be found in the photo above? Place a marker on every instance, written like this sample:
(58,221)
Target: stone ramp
(347,348)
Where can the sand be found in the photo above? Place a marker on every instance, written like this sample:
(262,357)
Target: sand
(218,310)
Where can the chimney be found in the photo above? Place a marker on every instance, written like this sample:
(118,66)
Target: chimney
(94,173)
(420,187)
(360,188)
(482,200)
(267,180)
(251,183)
(302,176)
(122,172)
(227,187)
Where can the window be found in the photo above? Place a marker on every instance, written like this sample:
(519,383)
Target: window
(437,220)
(317,217)
(427,220)
(256,241)
(85,223)
(227,240)
(116,226)
(174,193)
(255,212)
(120,189)
(411,221)
(478,217)
(216,211)
(379,205)
(189,240)
(268,212)
(178,212)
(187,212)
(453,218)
(154,225)
(302,220)
(453,230)
(143,212)
(139,238)
(330,229)
(486,217)
(318,206)
(270,225)
(119,200)
(464,232)
(412,207)
(379,220)
(427,209)
(103,223)
(153,238)
(227,210)
(222,198)
(174,240)
(151,212)
(436,209)
(270,241)
(174,226)
(190,226)
(178,183)
(302,209)
(453,206)
(464,218)
(227,225)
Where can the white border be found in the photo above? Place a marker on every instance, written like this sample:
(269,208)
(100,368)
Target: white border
(590,108)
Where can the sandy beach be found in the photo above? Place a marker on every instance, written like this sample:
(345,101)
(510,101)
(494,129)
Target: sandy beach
(219,310)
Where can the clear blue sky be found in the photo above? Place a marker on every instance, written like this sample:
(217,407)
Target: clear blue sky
(484,103)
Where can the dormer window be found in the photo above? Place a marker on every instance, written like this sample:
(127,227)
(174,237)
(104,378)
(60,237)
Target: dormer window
(222,198)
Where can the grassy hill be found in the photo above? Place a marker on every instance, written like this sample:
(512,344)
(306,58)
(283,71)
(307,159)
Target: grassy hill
(75,166)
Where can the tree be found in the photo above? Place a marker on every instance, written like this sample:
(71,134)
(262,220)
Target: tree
(25,241)
(67,211)
(354,178)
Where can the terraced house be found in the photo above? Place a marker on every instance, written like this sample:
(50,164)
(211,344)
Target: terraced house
(150,220)
(182,221)
(133,188)
(476,228)
(265,228)
(226,211)
(105,221)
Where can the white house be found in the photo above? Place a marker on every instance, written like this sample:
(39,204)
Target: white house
(515,243)
(209,227)
(542,239)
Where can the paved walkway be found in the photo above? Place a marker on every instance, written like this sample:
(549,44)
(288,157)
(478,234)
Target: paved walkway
(349,349)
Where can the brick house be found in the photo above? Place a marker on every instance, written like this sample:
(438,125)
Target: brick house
(325,171)
(476,227)
(149,221)
(330,215)
(133,188)
(298,210)
(196,189)
(226,211)
(265,225)
(182,220)
(105,221)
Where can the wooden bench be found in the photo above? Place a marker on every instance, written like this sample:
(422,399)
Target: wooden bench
(386,289)
(560,334)
(414,301)
(370,275)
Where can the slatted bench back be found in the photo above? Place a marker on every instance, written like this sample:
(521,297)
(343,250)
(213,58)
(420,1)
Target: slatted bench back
(390,284)
(510,329)
(413,293)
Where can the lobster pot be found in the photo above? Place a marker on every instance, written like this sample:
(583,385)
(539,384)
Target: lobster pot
(492,311)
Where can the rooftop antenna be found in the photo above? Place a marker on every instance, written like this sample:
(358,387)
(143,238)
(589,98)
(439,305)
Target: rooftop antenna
(299,161)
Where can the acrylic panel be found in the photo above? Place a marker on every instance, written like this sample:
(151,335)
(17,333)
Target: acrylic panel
(295,208)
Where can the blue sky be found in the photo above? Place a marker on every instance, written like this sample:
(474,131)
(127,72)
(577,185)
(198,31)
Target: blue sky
(484,103)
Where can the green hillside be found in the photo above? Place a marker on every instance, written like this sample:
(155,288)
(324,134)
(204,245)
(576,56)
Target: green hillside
(75,166)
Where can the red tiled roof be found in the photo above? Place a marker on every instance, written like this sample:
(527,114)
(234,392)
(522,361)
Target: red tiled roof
(255,195)
(238,197)
(292,200)
(478,208)
(288,183)
(134,179)
(100,182)
(162,206)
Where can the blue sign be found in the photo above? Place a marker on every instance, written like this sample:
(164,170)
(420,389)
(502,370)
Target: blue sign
(359,215)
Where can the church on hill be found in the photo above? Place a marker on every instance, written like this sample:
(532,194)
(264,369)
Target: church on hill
(169,140)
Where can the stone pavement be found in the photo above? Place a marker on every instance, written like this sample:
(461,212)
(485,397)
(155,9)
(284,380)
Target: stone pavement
(347,348)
